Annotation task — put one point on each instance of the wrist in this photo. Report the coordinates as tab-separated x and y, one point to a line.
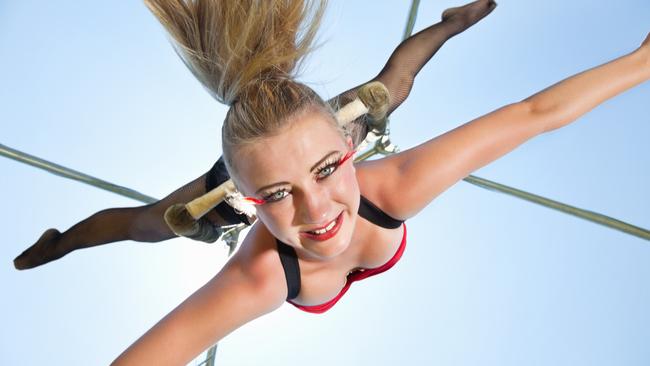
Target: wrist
643	55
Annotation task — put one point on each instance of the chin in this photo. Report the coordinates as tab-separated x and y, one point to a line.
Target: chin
332	250
334	246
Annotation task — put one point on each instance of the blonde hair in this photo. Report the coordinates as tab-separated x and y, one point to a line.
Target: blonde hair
246	53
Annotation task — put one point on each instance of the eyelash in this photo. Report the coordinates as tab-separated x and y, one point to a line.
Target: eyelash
326	165
332	163
269	197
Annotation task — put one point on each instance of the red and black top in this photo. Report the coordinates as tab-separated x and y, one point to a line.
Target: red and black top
289	259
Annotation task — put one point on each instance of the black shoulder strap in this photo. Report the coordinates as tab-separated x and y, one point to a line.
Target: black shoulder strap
289	260
374	214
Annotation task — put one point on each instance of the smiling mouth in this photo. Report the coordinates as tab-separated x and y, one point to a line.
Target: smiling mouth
326	232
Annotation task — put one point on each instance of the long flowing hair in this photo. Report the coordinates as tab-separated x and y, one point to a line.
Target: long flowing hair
246	54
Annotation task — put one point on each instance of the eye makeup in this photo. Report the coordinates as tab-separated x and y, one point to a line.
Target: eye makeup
328	167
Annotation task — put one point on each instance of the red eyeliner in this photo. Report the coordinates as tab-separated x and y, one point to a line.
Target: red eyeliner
346	157
255	201
259	201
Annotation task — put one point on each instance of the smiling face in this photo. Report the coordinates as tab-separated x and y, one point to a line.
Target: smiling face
312	198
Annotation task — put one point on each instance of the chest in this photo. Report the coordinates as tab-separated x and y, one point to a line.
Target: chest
372	249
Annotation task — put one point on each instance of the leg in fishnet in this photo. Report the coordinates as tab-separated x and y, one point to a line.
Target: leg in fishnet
398	75
144	223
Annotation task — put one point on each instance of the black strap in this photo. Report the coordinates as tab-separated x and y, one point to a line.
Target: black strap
289	261
374	214
289	258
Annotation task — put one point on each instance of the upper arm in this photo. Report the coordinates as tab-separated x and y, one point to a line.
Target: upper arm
235	296
414	177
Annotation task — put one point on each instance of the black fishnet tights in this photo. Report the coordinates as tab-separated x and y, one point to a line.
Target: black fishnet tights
406	61
146	223
143	223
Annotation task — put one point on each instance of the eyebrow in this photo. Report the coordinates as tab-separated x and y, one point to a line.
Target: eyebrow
310	170
322	160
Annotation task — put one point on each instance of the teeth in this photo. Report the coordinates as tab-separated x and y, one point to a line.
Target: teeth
326	229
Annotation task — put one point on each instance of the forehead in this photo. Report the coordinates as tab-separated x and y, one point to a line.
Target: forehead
289	154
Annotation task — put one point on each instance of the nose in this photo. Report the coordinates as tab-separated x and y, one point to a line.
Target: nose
314	207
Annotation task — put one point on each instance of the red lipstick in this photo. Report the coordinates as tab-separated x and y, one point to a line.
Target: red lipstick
327	235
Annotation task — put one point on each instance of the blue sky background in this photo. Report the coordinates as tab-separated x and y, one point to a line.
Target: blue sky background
486	279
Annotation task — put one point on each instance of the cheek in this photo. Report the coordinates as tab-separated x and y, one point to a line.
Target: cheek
347	184
351	176
277	217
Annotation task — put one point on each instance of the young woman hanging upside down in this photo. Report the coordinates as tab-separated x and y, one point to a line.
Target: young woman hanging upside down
146	224
324	222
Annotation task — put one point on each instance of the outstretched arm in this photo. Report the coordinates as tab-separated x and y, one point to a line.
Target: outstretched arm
429	169
412	54
250	285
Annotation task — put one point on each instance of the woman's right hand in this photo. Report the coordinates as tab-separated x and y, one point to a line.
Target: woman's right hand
646	42
645	47
44	250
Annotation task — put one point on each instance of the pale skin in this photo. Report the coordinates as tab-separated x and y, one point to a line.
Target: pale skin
252	283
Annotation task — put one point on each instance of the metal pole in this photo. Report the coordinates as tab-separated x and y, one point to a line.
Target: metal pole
562	207
413	13
73	174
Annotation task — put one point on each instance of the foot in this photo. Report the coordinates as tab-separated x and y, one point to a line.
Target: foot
43	251
467	15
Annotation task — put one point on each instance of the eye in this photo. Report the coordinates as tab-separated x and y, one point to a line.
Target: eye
326	171
276	196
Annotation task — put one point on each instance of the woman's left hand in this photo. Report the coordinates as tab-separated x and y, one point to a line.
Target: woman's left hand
644	49
645	45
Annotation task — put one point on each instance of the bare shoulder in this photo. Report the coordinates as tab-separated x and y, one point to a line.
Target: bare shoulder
377	181
403	184
250	285
258	261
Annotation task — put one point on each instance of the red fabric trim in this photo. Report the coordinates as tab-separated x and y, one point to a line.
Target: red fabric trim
356	276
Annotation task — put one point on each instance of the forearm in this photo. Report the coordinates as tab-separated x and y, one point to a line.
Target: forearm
567	100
